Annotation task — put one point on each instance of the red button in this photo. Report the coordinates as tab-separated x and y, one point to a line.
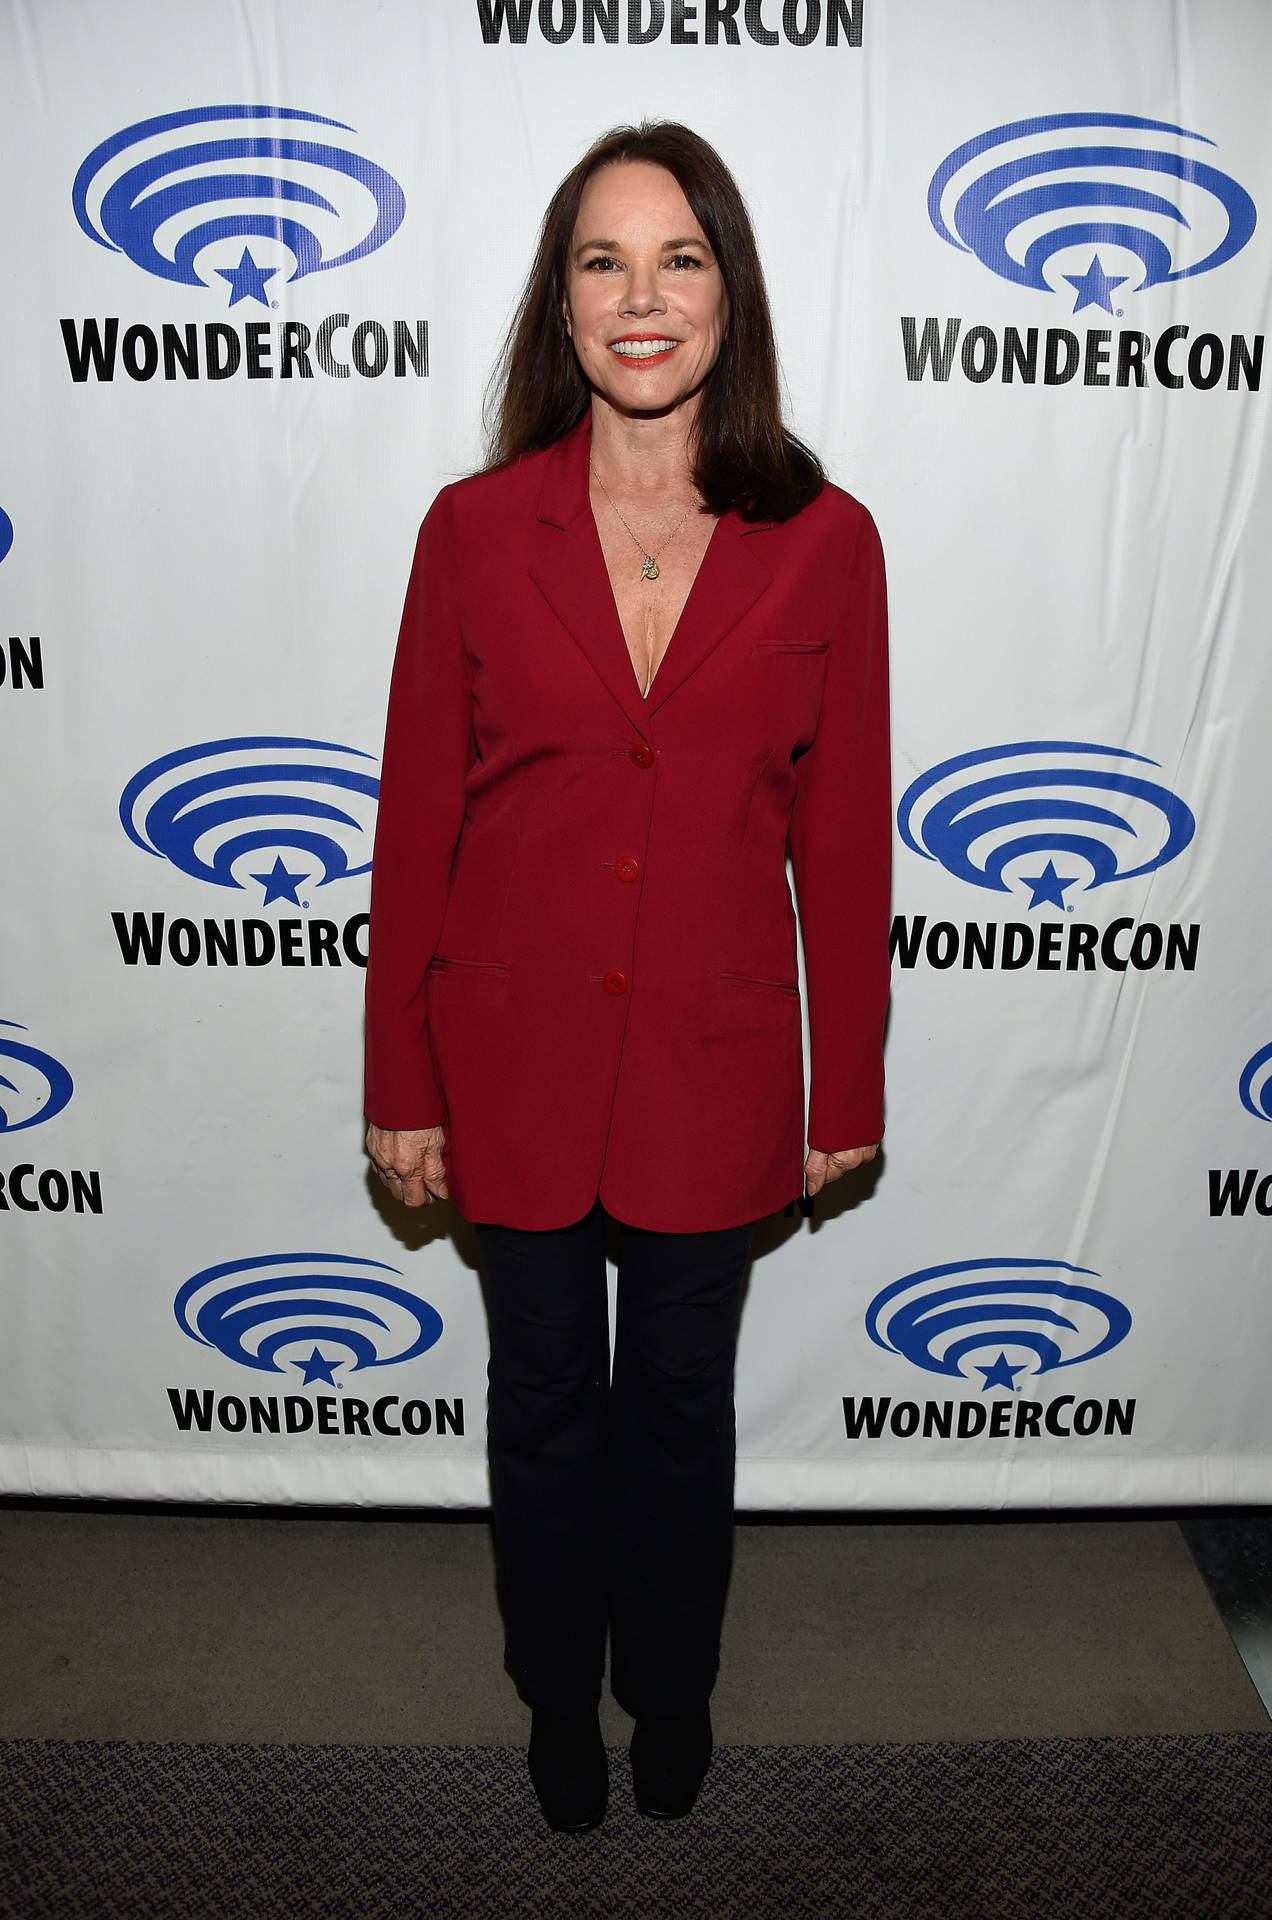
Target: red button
641	756
614	982
626	868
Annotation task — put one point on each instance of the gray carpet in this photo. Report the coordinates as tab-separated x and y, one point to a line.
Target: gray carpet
1152	1827
367	1629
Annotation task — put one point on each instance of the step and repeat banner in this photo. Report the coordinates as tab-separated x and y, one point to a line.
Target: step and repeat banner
259	258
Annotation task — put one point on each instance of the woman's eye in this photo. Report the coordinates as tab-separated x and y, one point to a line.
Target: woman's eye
684	260
600	262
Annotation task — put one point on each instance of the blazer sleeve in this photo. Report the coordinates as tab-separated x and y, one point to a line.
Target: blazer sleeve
841	850
421	813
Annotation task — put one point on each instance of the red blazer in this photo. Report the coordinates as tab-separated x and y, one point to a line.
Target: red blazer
582	943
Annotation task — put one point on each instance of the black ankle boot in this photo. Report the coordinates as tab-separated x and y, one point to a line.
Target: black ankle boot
670	1757
568	1767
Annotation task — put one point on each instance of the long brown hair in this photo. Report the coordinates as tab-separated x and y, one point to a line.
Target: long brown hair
743	457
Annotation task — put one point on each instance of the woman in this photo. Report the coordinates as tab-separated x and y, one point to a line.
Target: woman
639	651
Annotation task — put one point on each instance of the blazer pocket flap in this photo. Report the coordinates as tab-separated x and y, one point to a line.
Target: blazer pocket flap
452	963
792	646
763	986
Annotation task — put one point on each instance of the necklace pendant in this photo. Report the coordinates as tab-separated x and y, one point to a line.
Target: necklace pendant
649	568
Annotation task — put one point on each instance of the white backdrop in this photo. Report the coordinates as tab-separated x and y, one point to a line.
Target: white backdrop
1051	1291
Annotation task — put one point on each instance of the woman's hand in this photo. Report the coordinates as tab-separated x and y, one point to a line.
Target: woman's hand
822	1167
410	1164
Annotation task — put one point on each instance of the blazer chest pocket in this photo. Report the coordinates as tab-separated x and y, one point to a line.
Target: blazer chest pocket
792	646
789	676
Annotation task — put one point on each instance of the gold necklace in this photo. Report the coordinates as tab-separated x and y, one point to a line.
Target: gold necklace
648	561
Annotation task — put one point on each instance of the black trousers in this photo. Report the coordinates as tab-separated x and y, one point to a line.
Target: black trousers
613	1498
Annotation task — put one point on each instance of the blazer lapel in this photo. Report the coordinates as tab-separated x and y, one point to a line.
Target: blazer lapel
570	572
736	568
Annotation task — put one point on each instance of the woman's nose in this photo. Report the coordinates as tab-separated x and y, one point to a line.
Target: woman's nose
643	294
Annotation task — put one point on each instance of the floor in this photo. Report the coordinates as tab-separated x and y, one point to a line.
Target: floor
1233	1552
152	1623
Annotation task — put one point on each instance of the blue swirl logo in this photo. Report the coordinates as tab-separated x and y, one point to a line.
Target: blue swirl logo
33	1085
1256	1084
6	533
988	816
219	810
264	1313
1033	196
1029	1314
270	193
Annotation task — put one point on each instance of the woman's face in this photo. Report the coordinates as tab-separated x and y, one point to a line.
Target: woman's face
645	303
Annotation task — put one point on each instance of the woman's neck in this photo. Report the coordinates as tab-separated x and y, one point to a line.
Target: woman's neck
643	454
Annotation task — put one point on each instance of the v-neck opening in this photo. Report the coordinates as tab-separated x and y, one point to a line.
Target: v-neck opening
645	696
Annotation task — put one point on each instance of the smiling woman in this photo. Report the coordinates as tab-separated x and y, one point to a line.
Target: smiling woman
744	458
646	313
642	653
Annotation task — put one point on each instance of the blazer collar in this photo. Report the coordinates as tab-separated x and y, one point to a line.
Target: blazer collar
569	570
